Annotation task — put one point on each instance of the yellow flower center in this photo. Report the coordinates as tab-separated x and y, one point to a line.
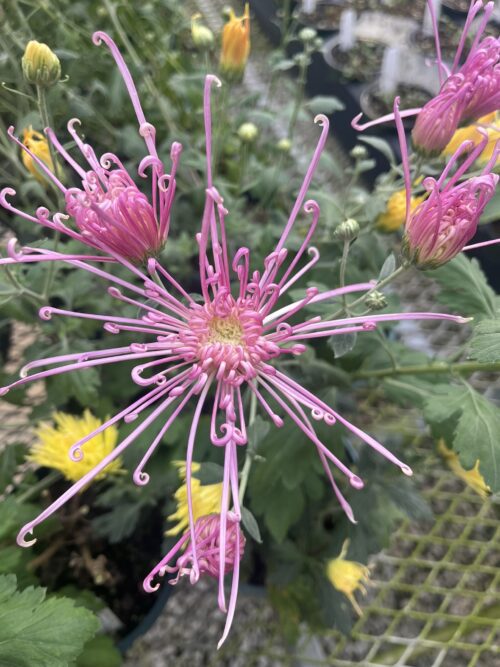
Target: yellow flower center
226	330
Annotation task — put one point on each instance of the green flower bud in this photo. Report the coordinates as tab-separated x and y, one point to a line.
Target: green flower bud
202	37
359	152
347	230
376	301
307	35
248	132
40	65
284	145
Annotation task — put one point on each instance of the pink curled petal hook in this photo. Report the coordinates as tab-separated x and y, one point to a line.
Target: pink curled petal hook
21	537
140	477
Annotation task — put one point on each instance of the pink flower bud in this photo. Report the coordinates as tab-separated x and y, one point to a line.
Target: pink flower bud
443	224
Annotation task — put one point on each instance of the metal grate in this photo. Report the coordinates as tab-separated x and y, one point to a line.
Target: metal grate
436	596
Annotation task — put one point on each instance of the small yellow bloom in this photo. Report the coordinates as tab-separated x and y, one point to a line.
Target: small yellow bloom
235	44
206	499
37	144
395	213
202	36
40	64
471	133
472	477
347	576
54	441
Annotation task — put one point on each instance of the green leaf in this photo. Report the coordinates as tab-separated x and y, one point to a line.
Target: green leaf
256	432
100	652
35	632
324	104
477	437
209	473
380	145
342	344
464	288
469	423
250	524
286	510
485	343
388	267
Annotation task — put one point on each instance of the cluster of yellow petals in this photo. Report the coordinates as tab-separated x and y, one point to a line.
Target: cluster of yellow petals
235	44
206	499
472	477
490	124
54	441
38	145
395	213
348	576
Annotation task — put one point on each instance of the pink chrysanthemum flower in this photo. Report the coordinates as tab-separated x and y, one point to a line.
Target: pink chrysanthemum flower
441	226
110	213
467	92
205	556
213	354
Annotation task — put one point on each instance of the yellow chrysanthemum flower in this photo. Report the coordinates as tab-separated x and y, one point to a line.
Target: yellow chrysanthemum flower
37	144
348	576
206	499
471	133
472	477
54	441
235	44
395	213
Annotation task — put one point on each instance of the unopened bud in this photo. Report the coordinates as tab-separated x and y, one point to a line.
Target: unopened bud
359	152
307	35
248	132
376	301
202	37
40	64
284	145
347	230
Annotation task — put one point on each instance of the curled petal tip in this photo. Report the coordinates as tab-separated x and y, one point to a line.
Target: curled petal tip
355	121
212	78
10	130
464	320
4	390
311	206
322	120
21	538
356	482
100	36
75	453
72	122
140	478
407	470
148	587
45	313
176	149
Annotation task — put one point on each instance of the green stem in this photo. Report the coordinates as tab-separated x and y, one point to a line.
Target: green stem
466	367
249	458
343	266
40	486
44	115
299	97
381	284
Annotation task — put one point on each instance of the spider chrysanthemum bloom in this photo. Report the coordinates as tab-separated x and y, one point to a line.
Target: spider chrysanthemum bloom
39	146
54	440
393	217
235	47
221	354
489	124
206	499
348	576
467	91
107	210
441	226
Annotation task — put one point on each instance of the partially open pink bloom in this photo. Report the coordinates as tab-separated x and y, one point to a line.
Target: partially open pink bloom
207	556
441	226
467	92
213	354
110	212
